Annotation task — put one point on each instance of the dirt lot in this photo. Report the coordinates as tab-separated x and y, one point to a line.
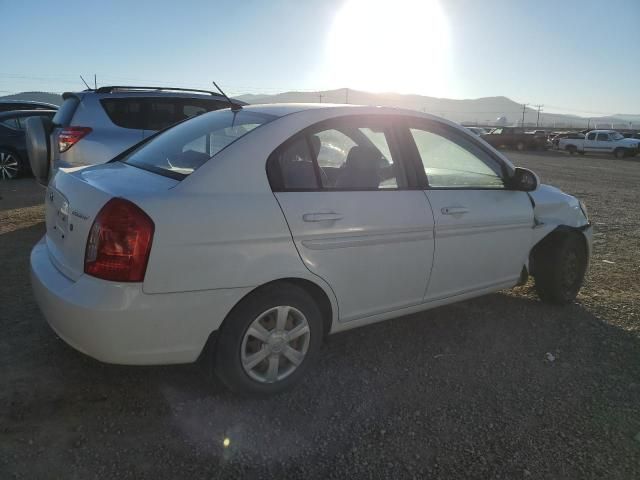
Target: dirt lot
463	391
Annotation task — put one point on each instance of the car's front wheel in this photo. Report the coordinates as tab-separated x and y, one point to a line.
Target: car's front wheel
620	153
269	340
560	264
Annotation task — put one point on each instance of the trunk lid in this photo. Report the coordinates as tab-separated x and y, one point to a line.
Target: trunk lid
75	196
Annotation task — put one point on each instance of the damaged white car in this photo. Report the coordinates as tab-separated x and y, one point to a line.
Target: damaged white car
244	236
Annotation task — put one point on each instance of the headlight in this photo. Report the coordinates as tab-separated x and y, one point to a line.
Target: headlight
583	207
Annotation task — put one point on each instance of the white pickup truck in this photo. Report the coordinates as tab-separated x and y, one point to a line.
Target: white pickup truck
608	141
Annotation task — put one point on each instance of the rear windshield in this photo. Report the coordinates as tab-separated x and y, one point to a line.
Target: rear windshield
180	150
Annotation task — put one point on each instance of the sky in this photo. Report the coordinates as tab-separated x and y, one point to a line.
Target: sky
572	56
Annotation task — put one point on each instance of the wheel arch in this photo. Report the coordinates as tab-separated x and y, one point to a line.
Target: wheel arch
560	231
321	294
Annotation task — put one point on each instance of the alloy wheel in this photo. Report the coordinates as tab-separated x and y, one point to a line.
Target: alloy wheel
9	166
275	344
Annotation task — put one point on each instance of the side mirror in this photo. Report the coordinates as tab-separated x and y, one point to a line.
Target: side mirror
524	180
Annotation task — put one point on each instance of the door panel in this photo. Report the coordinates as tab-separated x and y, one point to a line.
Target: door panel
483	231
375	248
482	238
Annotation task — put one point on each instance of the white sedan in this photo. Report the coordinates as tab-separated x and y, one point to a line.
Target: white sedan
256	231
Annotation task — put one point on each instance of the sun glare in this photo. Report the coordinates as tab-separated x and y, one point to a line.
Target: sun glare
389	45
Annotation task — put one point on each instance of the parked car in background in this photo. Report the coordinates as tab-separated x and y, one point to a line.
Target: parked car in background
9	105
14	161
570	135
93	126
514	137
256	231
602	141
477	130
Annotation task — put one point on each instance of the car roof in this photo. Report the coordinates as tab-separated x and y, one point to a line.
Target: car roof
146	92
282	109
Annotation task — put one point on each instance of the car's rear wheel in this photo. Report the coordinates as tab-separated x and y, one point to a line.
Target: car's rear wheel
560	264
269	340
571	149
11	165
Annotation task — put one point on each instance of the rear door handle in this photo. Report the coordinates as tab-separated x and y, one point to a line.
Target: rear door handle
321	217
454	210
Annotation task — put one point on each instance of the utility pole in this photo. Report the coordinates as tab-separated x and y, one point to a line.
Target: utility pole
524	108
346	95
320	95
538	119
588	124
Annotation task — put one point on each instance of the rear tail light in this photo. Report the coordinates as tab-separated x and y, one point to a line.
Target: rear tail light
119	242
69	136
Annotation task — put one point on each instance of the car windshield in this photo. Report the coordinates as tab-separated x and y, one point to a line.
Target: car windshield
616	136
180	150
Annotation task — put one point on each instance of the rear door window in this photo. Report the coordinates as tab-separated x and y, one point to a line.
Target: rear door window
155	113
164	112
125	112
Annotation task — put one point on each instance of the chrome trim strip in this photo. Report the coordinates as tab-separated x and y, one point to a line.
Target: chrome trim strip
328	243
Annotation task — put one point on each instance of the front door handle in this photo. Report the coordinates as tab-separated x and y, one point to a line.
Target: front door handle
454	210
321	217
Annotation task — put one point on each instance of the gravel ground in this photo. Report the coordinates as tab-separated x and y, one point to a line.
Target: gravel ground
464	391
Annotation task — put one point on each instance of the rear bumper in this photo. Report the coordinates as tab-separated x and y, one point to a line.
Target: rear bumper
118	323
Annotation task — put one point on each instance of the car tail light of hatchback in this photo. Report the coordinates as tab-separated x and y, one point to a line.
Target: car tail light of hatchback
69	136
119	242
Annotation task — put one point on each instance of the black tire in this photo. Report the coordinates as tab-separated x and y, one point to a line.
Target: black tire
571	149
11	165
228	364
620	153
560	264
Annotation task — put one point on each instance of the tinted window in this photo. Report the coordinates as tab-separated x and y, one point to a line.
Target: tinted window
155	113
602	137
179	151
453	162
162	113
11	122
125	112
591	136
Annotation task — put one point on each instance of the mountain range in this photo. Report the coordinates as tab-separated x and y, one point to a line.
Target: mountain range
480	111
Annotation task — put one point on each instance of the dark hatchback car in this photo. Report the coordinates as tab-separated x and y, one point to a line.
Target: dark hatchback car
13	149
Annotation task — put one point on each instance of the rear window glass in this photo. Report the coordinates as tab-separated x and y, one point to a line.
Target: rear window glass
155	113
182	149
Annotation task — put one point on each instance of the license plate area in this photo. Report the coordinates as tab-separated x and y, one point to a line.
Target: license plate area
59	214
